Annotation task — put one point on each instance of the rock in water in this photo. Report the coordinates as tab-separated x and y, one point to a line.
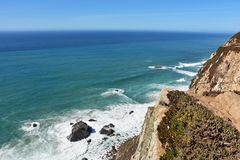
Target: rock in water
158	66
89	141
92	120
34	125
80	130
111	125
131	112
107	129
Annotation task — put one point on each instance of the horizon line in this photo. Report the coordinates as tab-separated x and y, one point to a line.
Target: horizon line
119	30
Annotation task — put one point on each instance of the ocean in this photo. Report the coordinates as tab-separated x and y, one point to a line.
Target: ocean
55	78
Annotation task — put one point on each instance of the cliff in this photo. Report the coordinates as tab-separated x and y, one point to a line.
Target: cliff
221	72
202	123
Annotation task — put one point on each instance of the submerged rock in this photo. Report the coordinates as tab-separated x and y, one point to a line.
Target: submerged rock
131	112
107	129
92	120
80	130
158	66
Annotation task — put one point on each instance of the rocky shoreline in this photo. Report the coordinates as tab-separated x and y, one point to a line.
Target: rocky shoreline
202	123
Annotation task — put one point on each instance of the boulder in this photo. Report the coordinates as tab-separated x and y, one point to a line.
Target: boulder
80	130
107	129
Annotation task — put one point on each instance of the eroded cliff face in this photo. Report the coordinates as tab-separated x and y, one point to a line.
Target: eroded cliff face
148	145
202	123
221	72
180	127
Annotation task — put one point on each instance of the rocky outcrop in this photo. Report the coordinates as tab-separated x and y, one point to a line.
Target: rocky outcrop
221	72
202	123
107	129
147	145
80	130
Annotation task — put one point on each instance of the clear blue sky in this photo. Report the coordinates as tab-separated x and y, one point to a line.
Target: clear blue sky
171	15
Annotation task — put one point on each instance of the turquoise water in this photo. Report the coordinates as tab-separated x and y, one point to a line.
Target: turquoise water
46	75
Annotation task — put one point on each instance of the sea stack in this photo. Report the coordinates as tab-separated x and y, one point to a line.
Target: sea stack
202	123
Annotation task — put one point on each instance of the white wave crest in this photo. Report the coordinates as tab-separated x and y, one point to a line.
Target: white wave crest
174	86
188	73
196	64
112	92
30	127
181	80
158	67
119	92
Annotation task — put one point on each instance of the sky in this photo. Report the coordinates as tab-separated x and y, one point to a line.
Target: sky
162	15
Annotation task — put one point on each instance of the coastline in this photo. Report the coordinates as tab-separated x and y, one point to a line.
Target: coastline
200	123
121	97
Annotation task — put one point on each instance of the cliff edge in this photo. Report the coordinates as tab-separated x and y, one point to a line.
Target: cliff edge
221	72
202	123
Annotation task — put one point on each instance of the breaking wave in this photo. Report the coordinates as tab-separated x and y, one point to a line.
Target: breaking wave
158	67
49	141
174	86
188	73
112	92
180	80
196	64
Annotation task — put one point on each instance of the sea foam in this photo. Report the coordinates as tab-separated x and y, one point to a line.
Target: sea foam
174	86
156	67
112	92
50	142
184	72
180	80
195	64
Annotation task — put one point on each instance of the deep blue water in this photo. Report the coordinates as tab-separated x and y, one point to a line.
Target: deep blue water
44	74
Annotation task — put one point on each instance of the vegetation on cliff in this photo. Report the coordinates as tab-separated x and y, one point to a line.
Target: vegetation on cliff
191	131
202	123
